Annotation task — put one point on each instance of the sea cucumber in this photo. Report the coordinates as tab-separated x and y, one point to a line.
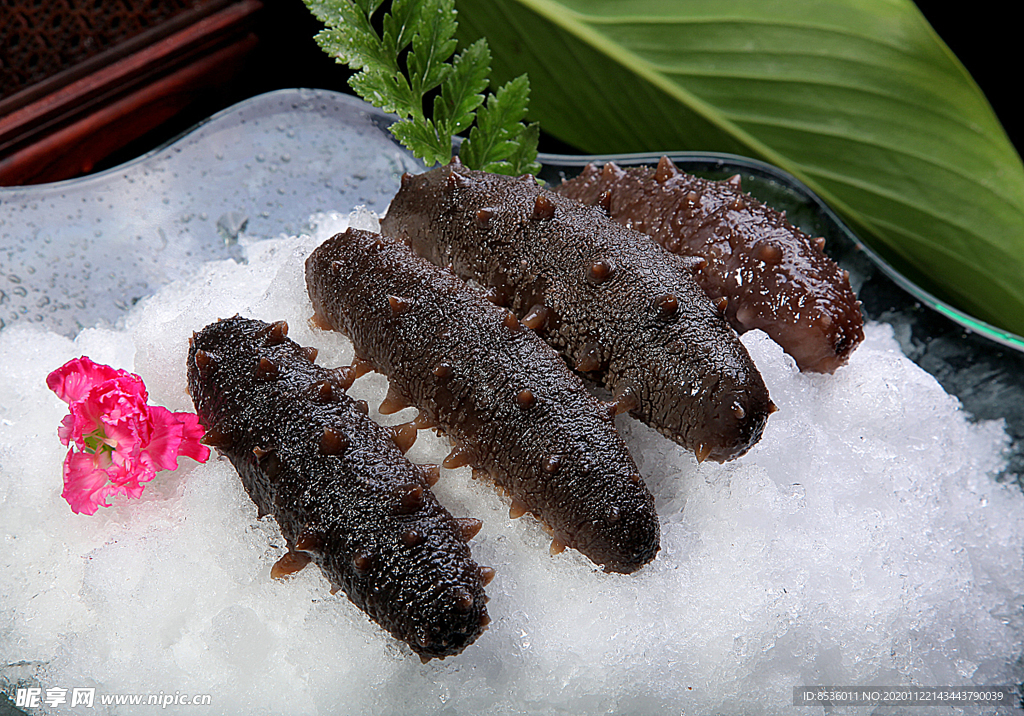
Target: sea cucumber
503	395
774	276
618	307
341	490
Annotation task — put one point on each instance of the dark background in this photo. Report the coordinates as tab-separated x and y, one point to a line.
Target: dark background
287	56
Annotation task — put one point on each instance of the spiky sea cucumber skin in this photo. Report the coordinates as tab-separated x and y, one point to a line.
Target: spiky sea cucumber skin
337	485
502	394
616	305
775	277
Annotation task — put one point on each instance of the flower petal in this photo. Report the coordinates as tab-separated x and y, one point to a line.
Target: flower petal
86	485
75	378
165	438
191	434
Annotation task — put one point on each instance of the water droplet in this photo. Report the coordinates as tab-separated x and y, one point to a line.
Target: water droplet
286	158
261	157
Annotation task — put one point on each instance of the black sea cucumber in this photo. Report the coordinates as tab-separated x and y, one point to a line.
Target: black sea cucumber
774	276
617	306
502	394
342	492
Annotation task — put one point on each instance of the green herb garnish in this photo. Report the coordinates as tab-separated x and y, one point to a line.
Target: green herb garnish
411	60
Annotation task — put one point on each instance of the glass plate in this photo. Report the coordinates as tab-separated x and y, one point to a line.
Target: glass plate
82	252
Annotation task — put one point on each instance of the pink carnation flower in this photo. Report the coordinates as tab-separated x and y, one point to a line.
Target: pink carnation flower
117	441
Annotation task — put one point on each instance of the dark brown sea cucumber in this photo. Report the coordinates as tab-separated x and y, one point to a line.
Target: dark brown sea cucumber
501	393
617	306
774	276
342	492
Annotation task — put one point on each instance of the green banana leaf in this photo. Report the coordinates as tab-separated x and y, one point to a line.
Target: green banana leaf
859	99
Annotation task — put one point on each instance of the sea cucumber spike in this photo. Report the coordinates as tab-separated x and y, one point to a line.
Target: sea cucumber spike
470	526
404	435
820	243
590	359
769	253
309	541
323	391
442	371
260	453
412	537
722	303
423	421
734	181
266	369
362	561
692	197
611	170
517	509
361	366
825	321
463	600
192	339
614	514
277	333
558	546
311	353
605	200
393	402
480	474
666	170
528	178
431	474
410	499
702	452
483	217
346	375
455	161
625	402
318	321
216	439
458	181
458	457
485	619
289	564
512	323
551	464
406	178
486	574
536	317
667	305
600	271
525	398
399	305
738	411
738	204
543	208
205	363
332	442
772	407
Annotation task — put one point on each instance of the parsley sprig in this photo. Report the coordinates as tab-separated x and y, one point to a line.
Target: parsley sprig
411	58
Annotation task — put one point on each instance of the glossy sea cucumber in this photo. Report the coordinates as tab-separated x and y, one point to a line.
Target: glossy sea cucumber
774	276
495	388
341	490
617	306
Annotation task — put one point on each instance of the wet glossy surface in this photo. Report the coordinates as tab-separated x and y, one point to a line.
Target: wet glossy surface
82	252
